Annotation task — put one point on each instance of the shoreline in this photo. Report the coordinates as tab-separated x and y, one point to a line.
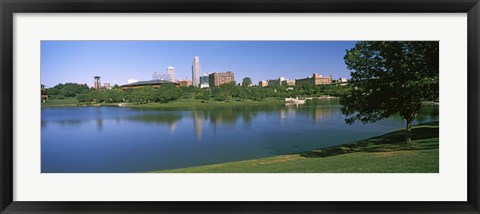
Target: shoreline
380	154
173	104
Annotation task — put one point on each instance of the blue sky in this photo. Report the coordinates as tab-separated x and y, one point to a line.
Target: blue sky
118	61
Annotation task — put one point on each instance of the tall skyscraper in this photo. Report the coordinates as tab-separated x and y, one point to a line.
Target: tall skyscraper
196	72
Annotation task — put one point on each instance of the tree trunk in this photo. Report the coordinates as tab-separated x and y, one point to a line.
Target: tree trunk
408	131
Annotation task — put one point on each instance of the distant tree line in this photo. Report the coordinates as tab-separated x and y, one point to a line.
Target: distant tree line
61	91
167	93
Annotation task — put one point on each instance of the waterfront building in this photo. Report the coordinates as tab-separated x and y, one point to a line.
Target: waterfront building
316	79
204	81
196	71
263	83
151	83
290	82
107	86
185	83
342	81
219	78
279	81
43	94
273	82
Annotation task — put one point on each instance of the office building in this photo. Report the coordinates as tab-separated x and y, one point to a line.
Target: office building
196	71
107	86
204	81
290	82
185	83
219	78
316	79
279	81
263	83
273	82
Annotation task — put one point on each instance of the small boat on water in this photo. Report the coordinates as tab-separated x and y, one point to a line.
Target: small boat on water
326	97
294	101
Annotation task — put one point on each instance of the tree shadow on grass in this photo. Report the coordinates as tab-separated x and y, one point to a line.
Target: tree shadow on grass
424	137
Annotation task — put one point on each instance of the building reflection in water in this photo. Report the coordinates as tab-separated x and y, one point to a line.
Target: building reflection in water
173	127
323	113
99	124
316	113
98	111
289	110
197	125
283	114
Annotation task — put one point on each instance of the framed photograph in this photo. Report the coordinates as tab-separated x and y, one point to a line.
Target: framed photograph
237	106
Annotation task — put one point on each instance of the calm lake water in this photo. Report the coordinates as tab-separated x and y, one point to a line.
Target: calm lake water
114	139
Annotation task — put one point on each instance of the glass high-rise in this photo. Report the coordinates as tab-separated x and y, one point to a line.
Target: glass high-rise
196	71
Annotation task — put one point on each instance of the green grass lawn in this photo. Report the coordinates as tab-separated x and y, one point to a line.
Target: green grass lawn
382	154
60	102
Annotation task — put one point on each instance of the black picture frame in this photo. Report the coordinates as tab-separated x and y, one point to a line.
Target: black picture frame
9	7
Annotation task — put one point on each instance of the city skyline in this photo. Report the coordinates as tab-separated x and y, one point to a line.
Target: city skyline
118	61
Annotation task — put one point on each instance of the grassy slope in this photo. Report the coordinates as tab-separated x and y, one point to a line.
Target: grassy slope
386	153
60	102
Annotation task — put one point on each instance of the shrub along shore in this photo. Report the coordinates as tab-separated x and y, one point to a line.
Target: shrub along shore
381	154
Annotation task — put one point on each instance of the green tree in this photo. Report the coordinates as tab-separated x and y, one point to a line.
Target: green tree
66	90
83	98
167	93
72	89
225	92
390	78
203	95
114	95
53	91
143	95
246	81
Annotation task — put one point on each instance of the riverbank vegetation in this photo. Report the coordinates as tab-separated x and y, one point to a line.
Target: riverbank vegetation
382	154
149	96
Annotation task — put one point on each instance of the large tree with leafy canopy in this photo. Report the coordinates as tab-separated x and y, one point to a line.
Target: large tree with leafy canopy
246	81
389	78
